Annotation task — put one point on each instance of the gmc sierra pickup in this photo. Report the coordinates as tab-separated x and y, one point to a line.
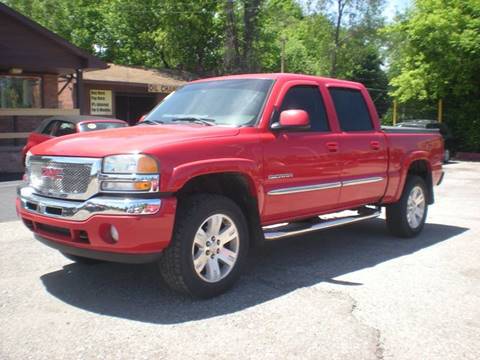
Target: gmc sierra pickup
222	165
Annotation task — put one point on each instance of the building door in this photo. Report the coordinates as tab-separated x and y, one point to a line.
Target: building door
130	107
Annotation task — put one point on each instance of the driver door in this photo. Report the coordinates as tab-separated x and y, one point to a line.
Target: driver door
302	169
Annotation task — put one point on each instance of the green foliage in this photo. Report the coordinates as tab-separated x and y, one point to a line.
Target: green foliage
203	37
435	54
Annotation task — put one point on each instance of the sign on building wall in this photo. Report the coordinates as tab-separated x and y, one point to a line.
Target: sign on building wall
101	102
158	88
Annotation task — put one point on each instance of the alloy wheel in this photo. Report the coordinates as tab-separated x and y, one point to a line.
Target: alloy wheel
215	248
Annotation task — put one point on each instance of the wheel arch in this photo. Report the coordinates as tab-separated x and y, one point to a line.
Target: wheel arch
237	186
421	167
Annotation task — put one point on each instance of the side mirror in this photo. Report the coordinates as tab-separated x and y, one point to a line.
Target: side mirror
293	119
142	118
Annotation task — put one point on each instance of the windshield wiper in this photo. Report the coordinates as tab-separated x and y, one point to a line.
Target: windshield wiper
150	122
196	119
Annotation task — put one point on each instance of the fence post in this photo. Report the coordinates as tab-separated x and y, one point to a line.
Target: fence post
440	110
394	112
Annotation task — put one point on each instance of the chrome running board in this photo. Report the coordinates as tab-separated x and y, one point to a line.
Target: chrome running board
279	231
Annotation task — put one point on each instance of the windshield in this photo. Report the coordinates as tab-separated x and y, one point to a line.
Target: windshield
92	126
224	102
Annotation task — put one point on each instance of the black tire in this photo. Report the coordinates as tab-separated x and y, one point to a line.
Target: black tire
176	263
81	260
396	214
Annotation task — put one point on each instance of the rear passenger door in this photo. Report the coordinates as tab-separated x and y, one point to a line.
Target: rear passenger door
363	149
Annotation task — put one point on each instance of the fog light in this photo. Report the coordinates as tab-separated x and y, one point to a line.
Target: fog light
114	233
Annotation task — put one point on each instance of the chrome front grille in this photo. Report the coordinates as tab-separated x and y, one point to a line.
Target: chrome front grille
72	178
64	177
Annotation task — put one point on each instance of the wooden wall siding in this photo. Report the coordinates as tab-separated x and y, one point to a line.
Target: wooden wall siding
23	121
20	47
50	91
66	99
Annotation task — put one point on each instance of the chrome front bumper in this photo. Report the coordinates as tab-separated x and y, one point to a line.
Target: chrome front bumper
82	210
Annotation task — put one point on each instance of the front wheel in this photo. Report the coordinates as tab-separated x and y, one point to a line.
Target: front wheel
208	248
407	216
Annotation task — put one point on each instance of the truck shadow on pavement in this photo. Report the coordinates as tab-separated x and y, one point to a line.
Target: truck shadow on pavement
135	291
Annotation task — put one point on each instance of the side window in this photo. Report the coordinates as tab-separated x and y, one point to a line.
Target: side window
352	111
49	128
65	128
307	98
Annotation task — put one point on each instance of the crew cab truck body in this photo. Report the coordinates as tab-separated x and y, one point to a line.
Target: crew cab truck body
222	165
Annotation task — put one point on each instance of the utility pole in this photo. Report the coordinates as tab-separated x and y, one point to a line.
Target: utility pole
440	110
394	112
283	40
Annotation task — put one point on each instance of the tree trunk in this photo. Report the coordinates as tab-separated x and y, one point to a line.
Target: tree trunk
341	6
250	14
231	60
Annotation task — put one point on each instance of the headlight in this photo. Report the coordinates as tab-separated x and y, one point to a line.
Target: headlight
130	164
25	177
27	158
130	173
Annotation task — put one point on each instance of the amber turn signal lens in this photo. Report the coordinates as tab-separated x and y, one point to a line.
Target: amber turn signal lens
142	185
147	165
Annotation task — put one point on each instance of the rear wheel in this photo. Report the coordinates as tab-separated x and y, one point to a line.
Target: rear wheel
406	217
208	248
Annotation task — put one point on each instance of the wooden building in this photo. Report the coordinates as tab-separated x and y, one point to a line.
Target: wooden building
31	60
119	91
42	75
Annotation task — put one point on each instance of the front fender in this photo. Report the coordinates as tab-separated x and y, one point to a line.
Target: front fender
183	173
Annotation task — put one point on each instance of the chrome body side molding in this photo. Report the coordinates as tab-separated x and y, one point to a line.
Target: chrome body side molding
362	181
325	186
297	189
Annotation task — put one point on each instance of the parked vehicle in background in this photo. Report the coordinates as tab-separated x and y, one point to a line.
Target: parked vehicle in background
65	125
225	164
433	124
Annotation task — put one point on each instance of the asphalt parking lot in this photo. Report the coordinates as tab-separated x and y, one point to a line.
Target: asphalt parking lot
346	293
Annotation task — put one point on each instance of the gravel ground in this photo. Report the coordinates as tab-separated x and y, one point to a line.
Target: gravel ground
347	293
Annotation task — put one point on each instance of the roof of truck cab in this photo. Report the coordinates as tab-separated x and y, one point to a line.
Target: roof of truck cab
285	77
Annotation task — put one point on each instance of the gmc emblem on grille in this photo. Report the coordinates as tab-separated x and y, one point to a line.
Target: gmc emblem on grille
52	173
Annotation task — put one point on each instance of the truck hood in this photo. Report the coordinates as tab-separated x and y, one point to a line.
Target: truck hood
146	139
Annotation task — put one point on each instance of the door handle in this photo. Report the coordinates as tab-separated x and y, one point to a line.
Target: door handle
332	146
375	145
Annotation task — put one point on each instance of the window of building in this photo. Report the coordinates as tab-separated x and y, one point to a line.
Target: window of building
309	99
352	111
20	92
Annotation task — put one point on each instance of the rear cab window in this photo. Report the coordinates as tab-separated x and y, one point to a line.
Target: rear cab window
351	108
309	99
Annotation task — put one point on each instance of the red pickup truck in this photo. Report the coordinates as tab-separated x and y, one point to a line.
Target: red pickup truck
222	165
